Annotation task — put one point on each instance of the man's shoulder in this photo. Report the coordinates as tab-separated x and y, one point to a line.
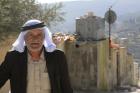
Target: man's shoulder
11	56
56	52
13	53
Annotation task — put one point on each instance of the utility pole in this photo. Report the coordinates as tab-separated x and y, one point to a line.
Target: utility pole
110	17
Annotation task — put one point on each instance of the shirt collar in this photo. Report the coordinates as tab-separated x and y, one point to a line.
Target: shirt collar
41	56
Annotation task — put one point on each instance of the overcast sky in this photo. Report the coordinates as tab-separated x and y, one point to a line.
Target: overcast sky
109	1
120	6
106	2
54	1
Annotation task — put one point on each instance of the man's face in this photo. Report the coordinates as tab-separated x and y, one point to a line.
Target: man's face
34	39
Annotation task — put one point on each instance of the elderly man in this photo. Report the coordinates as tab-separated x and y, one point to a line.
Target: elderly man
34	65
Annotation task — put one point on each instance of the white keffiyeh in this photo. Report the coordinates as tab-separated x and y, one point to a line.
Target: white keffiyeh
19	44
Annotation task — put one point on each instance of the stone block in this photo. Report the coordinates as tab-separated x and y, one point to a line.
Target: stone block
90	28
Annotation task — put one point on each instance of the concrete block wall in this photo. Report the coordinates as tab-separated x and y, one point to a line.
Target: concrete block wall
130	69
136	74
125	67
88	65
102	65
90	28
82	64
112	69
122	55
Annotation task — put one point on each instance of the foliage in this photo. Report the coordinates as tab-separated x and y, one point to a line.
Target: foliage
13	13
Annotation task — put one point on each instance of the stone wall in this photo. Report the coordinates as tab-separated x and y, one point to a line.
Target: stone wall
136	74
122	55
125	67
90	27
82	63
112	67
88	65
102	65
130	69
91	69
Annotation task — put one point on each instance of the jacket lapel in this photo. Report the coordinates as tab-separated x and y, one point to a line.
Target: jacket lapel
23	72
50	66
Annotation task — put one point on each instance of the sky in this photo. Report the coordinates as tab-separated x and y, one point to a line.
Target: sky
55	1
120	6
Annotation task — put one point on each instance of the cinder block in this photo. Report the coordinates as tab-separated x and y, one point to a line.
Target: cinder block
90	28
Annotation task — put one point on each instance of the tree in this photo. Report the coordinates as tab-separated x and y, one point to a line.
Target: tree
13	13
51	13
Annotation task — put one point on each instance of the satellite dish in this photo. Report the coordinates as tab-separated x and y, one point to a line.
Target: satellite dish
110	16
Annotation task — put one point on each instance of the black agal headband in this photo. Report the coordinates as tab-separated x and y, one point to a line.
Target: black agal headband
39	25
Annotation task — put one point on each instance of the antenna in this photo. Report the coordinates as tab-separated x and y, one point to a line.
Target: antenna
113	4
